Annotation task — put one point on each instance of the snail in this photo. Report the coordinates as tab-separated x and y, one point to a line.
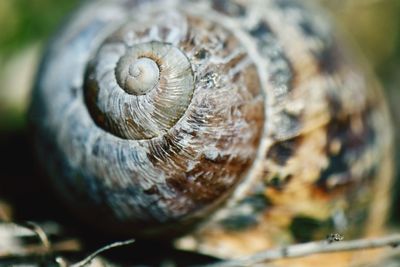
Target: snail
226	126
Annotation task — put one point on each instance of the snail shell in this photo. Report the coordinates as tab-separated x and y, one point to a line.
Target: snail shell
248	117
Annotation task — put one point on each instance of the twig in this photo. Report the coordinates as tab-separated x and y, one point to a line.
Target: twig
13	240
40	233
302	250
65	246
88	259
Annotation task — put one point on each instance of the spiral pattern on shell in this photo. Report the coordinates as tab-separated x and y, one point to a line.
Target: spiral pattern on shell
165	119
252	114
140	91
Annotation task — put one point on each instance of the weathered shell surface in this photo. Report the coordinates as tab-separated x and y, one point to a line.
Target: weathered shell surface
278	116
147	160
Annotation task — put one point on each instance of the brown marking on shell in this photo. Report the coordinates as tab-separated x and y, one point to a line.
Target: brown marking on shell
327	59
197	183
281	152
197	186
355	136
229	7
303	117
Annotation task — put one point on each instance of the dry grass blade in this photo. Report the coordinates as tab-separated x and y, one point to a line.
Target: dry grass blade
28	239
92	256
302	250
40	233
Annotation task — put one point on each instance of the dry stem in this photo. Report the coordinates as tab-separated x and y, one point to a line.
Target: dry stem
302	250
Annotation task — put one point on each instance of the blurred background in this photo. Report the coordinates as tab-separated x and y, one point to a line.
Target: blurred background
27	24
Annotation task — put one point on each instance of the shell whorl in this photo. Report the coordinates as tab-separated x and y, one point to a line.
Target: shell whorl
156	111
140	91
168	148
138	75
